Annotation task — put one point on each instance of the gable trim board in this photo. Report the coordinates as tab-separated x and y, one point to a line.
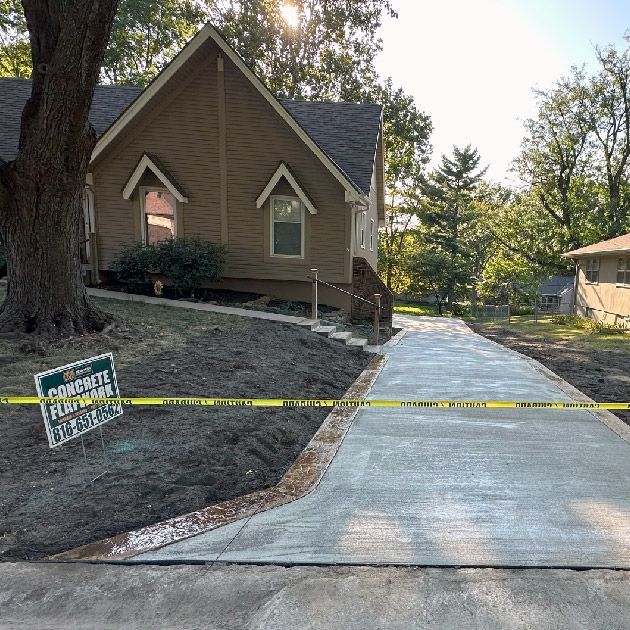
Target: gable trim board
145	163
284	171
352	192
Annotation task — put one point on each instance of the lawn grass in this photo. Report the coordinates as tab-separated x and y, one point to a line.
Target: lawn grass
427	310
545	329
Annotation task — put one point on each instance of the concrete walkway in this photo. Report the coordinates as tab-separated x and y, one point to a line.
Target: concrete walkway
199	306
467	487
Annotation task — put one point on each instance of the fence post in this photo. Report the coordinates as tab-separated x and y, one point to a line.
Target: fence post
314	295
377	316
509	314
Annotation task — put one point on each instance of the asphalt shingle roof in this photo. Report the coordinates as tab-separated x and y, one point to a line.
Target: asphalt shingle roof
109	102
613	245
555	285
346	132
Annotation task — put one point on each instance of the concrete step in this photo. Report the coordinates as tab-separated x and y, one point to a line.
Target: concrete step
372	349
325	331
357	341
309	323
341	336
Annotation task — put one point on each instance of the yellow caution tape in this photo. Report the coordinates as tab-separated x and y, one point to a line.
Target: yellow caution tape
312	402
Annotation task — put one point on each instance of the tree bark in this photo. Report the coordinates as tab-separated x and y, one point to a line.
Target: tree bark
41	190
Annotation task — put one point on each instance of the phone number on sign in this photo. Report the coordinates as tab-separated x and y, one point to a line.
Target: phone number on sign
85	422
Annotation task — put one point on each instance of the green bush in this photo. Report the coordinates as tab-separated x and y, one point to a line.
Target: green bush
591	326
186	262
189	262
133	265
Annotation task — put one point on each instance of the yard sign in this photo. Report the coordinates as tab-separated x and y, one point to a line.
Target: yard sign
90	378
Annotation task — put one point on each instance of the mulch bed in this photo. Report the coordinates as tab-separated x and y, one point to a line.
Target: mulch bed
163	462
603	375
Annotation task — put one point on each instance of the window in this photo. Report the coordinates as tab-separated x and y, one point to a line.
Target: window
372	234
158	215
592	270
550	303
362	230
287	227
623	271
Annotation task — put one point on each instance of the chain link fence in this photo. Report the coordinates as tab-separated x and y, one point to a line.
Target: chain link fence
490	312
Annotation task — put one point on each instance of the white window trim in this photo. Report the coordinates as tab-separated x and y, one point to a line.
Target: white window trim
147	163
624	285
362	228
372	235
141	191
586	270
272	198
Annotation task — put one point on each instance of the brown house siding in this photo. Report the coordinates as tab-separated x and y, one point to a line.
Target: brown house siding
257	141
180	126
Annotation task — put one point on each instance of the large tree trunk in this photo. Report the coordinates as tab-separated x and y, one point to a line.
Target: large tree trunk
40	191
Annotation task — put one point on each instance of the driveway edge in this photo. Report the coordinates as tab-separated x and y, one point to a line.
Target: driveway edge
615	424
302	477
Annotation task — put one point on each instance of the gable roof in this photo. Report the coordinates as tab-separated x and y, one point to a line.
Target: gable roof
151	162
343	136
556	285
109	102
617	245
346	132
285	171
354	192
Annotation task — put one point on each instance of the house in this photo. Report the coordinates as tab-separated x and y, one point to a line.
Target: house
207	151
603	280
556	294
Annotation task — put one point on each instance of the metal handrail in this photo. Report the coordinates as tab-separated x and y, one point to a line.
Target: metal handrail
342	290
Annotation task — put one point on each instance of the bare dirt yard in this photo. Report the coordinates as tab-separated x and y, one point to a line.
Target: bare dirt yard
597	364
160	462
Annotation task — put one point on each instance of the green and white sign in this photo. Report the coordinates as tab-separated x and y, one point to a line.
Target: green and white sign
90	378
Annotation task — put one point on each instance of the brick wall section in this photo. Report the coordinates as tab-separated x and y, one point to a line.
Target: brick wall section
365	283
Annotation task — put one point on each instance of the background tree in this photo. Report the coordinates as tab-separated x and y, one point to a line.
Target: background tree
146	35
554	155
608	98
324	51
448	215
40	191
15	52
406	132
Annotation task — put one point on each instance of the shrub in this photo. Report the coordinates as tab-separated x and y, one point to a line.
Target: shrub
189	262
591	326
133	265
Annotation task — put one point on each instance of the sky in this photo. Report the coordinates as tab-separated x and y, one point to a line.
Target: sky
471	64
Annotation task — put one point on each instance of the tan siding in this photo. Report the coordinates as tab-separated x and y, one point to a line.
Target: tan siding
257	141
180	127
608	301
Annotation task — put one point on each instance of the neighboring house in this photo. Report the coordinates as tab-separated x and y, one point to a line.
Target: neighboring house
603	280
207	151
556	294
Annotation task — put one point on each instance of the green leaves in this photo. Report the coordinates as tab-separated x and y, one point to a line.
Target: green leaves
146	35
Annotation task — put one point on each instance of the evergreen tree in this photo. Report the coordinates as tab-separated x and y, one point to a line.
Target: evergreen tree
448	215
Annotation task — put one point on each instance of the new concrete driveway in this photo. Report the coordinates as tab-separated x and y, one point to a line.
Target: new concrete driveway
451	487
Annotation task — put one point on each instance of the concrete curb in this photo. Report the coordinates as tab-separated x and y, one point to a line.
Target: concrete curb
615	424
302	478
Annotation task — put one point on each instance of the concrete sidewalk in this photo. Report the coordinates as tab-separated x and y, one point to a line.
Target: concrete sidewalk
469	487
80	596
